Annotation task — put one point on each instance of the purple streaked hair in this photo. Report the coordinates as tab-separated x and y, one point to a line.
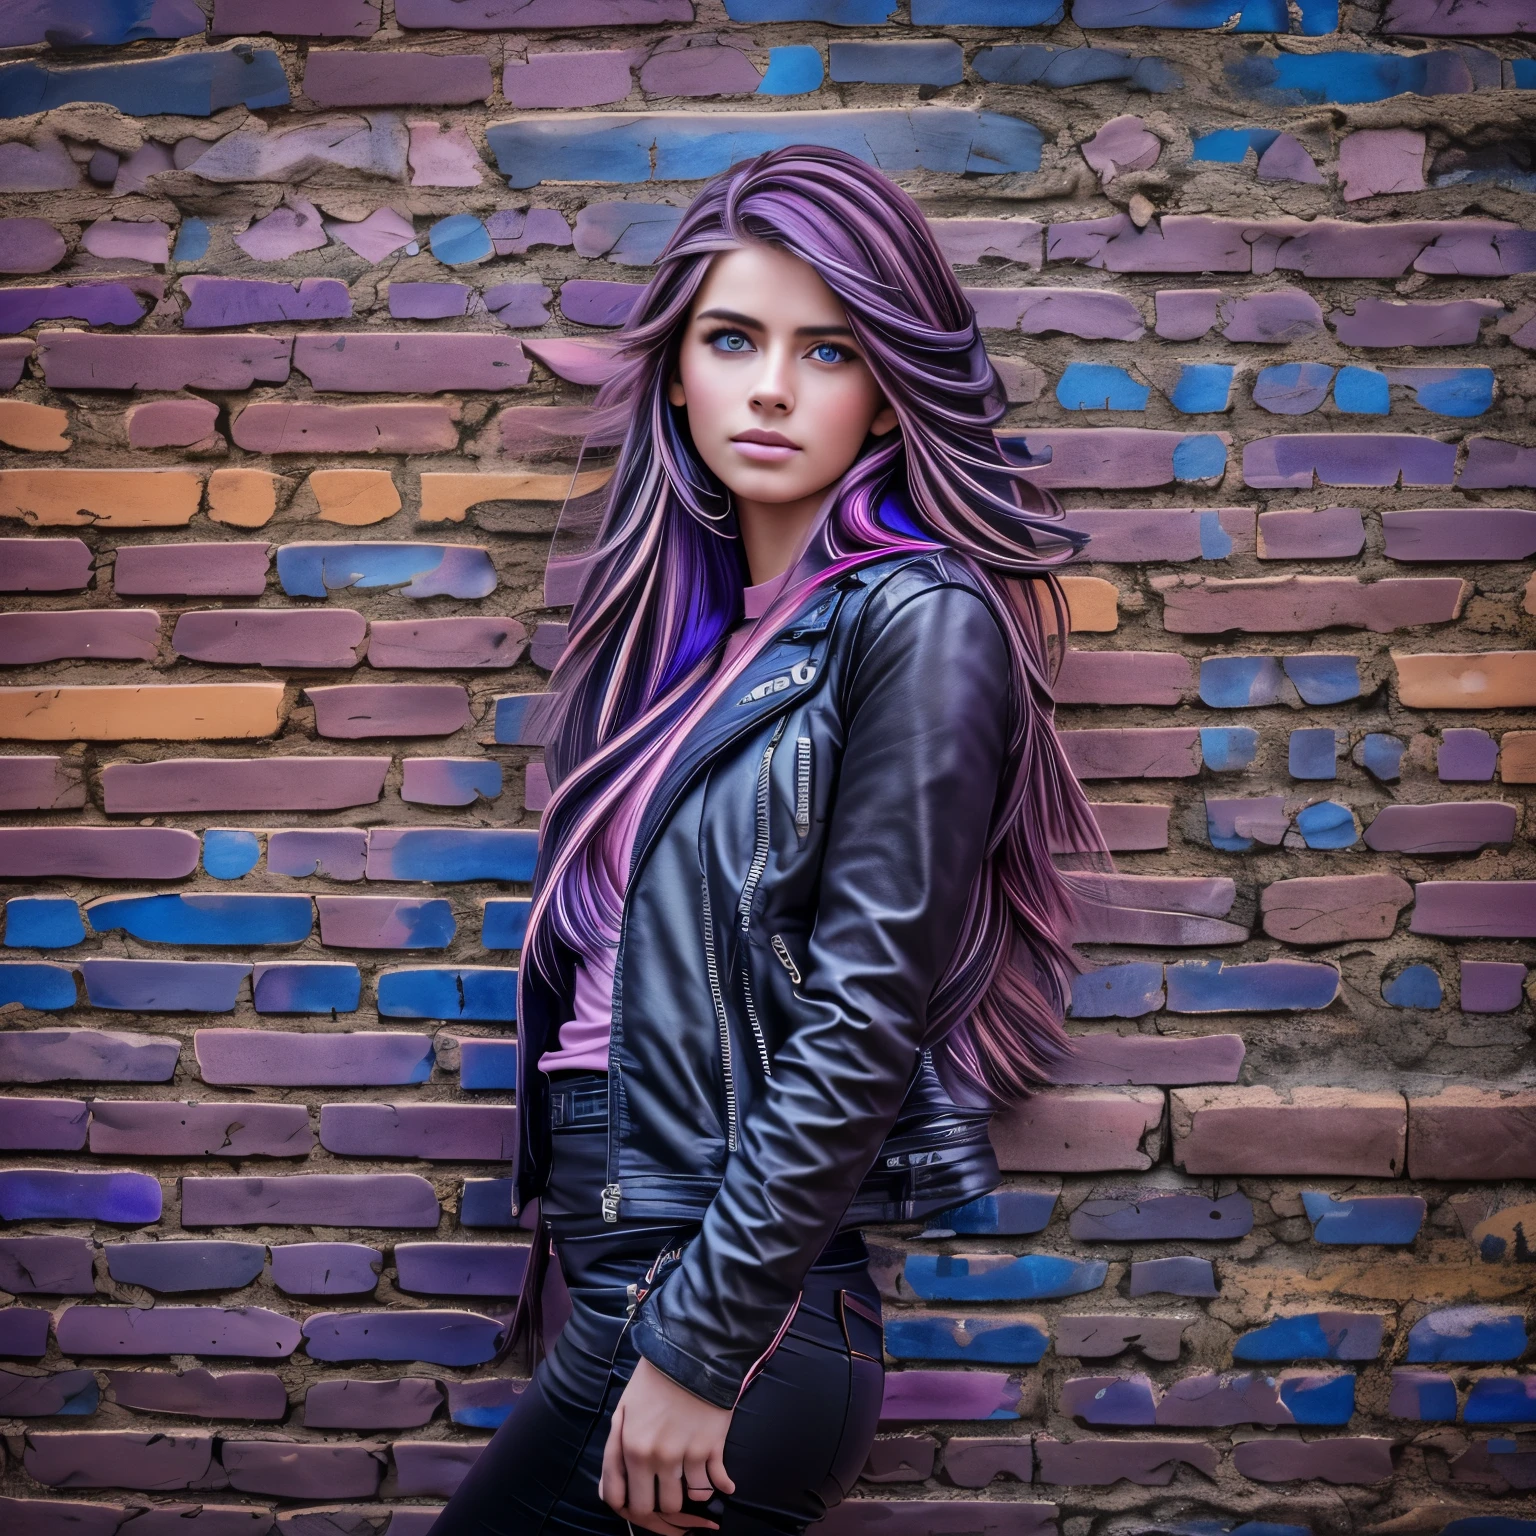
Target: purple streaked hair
663	586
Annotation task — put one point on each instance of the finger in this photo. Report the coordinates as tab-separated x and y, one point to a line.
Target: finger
611	1486
696	1476
670	1525
717	1473
669	1481
642	1480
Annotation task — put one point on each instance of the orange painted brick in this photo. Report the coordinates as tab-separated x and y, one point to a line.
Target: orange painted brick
36	428
446	498
355	497
1094	604
111	498
1473	680
1303	1131
184	712
244	498
1080	1130
1517	757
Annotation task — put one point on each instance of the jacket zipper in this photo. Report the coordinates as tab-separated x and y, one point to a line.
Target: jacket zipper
802	785
754	874
713	966
781	949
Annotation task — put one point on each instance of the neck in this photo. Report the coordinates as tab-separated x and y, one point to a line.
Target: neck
774	532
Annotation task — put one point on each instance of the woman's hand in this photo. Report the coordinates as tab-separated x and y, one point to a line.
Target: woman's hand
662	1440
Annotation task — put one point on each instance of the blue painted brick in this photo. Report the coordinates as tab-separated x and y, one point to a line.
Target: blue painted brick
1313	754
1001	1277
1328	1400
1327	824
1202	388
1416	986
1264	986
1393	1219
1241	682
1348	78
227	855
418	570
43	922
487	1064
1313	1336
1381	756
1180	1276
306	986
998	1341
1228	749
1467	1335
1118	991
512	726
23	1332
37	985
938	62
206	919
793	70
505	923
45	1194
469	993
444	855
1007	1213
487	1203
183	85
186	1266
1062	68
1100	387
1324	679
483	1402
1502	1400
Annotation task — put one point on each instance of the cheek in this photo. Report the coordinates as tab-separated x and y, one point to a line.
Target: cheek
845	408
707	390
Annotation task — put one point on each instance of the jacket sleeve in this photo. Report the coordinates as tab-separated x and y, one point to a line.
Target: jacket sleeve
925	724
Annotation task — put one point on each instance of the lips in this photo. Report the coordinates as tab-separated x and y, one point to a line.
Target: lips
765	447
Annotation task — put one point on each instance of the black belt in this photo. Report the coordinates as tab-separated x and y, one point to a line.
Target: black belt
581	1100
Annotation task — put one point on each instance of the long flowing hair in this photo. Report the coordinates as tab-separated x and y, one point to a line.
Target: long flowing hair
662	589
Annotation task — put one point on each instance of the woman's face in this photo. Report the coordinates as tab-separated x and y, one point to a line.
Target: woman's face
778	396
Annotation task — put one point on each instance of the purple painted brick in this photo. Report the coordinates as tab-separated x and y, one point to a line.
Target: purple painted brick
1348	459
520	304
217	302
208	1331
243	784
310	1199
501	15
44	565
163	1128
428	301
405	1404
1162	1218
355	711
1457	826
84	1056
1460	533
589	78
200	1394
164	363
57	1194
326	1269
23	1332
1298	533
204	1519
1466	757
46	1266
338	853
434	1337
1099	1463
1286	315
1109	1400
185	1265
436	1132
29	245
271	637
50	1517
1116	753
40	783
1391	323
484	1402
1337	1459
276	1058
43	1125
37	1397
124	634
1475	909
191	570
590	301
298	1471
917	1395
296	18
339	77
98	853
1123	677
121	1458
432	1468
305	426
461	1269
164	986
412	361
446	644
1492	986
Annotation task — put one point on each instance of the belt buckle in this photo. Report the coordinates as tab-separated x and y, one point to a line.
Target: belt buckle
588	1103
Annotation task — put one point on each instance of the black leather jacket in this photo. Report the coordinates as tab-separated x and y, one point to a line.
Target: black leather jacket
796	890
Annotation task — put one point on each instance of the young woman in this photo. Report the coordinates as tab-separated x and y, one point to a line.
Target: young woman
796	929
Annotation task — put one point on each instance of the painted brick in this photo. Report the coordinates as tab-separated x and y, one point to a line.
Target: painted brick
338	853
404	1404
439	1338
418	570
237	784
114	498
85	1055
385	922
164	986
326	1269
1121	753
446	644
1000	1276
254	1395
255	1332
1497	909
167	1129
1303	1131
337	77
461	1269
1194	605
1466	1132
54	1266
409	361
85	360
1338	1460
270	1058
191	570
266	637
420	853
309	427
436	1132
1080	1130
1151	1059
361	711
1333	908
1163	1218
311	1199
303	1471
62	1393
1098	1463
178	712
43	1125
185	1266
121	1459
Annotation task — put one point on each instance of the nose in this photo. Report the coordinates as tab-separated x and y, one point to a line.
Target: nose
772	388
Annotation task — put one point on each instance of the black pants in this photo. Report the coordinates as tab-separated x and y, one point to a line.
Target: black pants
801	1431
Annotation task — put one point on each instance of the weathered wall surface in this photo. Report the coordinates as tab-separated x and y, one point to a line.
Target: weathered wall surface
300	301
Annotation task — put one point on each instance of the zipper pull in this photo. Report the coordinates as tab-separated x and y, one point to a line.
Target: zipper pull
781	949
610	1202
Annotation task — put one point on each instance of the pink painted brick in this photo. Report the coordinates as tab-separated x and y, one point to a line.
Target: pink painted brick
1331	909
40	784
1162	1060
340	77
410	362
1467	1132
1195	605
1310	1131
590	78
1475	909
472	641
90	360
172	423
309	427
1080	1130
171	1129
1126	753
359	711
1123	677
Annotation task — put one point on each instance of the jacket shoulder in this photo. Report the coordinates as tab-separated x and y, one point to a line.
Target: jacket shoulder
891	585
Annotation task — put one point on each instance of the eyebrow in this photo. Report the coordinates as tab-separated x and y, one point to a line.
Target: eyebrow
748	323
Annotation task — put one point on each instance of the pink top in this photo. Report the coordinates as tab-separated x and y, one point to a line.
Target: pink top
584	1038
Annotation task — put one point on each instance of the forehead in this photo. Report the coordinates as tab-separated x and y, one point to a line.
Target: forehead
769	285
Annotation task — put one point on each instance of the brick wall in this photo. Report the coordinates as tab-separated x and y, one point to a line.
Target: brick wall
299	324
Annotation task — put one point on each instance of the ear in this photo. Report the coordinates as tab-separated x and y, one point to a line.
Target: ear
675	392
885	421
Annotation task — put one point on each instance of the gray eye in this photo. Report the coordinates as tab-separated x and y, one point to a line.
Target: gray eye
731	341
